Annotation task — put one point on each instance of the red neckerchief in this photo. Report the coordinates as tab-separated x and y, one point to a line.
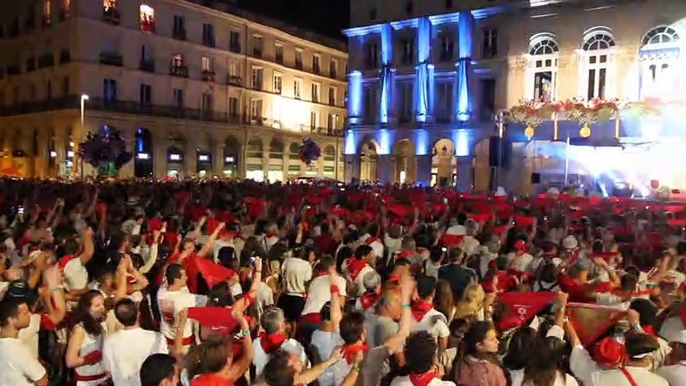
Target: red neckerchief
351	350
64	260
404	254
649	330
422	379
211	379
370	240
271	342
420	308
368	299
355	266
394	277
269	234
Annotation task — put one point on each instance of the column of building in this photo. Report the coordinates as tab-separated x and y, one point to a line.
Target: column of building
465	90
128	169
218	158
160	147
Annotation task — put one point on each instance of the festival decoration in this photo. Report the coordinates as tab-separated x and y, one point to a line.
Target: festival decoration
532	114
309	151
105	151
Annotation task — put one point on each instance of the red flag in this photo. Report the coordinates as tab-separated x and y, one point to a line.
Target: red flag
212	272
452	240
521	307
154	224
591	320
216	319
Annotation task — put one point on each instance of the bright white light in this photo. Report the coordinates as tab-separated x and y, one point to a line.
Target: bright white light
203	158
84	97
229	160
173	173
403	175
175	157
256	175
143	156
71	143
53	154
70	154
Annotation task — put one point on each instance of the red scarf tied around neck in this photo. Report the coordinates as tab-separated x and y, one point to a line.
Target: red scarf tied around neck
351	350
422	379
355	266
420	308
271	342
368	299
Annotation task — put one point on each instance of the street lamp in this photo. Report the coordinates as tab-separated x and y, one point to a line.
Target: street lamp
84	98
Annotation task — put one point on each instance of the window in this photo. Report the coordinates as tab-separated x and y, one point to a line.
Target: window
370	103
297	87
278	83
256	109
206	64
333	68
332	96
278	53
408	51
206	101
659	63
32	92
65	85
31	64
543	53
177	94
444	103
177	60
147	18
332	121
597	44
487	105
315	92
406	101
109	90
257	46
145	95
316	63
314	119
46	13
64	9
372	55
447	48
233	106
489	44
298	58
257	78
179	29
48	89
208	35
234	41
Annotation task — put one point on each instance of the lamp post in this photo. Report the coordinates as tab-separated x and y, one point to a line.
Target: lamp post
84	98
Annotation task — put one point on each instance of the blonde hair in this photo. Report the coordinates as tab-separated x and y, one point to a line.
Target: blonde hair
471	303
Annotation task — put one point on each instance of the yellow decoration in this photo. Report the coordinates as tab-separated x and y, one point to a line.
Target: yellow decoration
529	131
585	131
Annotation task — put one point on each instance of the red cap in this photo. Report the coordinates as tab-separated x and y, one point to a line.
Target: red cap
155	224
608	352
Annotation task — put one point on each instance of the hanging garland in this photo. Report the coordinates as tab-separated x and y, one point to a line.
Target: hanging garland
531	114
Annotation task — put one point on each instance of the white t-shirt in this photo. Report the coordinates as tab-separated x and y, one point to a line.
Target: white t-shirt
435	323
171	303
320	292
296	273
75	275
377	245
261	358
125	350
359	280
29	335
675	375
18	367
457	230
324	343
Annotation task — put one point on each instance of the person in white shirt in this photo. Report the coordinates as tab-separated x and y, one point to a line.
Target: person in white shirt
84	351
469	242
420	354
274	339
74	263
318	291
676	374
370	238
458	229
427	317
125	350
359	265
18	367
296	271
173	300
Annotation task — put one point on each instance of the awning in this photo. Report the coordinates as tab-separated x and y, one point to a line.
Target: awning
648	53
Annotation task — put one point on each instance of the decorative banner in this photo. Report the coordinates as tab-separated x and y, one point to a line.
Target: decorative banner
521	307
591	320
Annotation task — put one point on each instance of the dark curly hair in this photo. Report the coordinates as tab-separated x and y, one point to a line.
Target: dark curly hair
82	313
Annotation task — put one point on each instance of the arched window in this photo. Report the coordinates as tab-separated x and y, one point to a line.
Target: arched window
659	63
597	66
542	74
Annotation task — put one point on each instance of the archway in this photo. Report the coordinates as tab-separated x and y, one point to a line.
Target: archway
232	156
294	162
275	171
255	162
405	162
143	161
443	163
368	162
175	156
481	166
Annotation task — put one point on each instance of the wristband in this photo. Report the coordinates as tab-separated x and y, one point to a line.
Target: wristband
245	333
561	309
335	289
58	288
356	369
637	327
405	305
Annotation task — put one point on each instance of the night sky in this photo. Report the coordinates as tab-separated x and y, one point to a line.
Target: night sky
327	17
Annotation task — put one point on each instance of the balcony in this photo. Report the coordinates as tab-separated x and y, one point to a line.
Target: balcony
47	60
316	70
64	14
65	57
333	74
111	15
279	59
179	70
147	66
208	42
257	52
332	101
179	34
299	65
112	59
234	80
208	76
235	48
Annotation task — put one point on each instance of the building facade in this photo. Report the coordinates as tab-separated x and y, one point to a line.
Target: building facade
196	88
429	77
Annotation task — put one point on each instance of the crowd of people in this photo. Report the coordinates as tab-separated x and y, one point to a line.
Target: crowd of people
142	283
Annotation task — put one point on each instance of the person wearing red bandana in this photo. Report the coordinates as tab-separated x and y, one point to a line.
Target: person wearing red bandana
520	261
173	300
427	317
273	339
371	238
286	369
420	354
575	282
372	287
354	335
359	265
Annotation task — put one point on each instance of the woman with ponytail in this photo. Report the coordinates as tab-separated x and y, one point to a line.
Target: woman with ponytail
476	363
